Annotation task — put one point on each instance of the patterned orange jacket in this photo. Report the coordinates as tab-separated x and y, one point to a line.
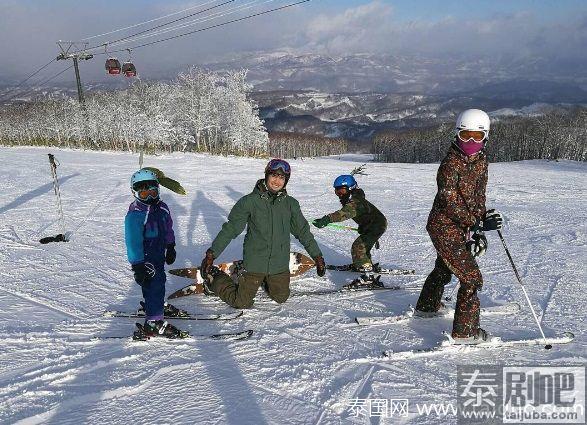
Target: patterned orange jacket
460	199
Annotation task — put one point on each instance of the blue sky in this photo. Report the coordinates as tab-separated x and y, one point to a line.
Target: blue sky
552	29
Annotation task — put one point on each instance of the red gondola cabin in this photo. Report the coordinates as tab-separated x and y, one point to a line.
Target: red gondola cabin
129	69
112	66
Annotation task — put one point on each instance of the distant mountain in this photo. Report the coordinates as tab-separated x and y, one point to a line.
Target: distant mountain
393	73
356	95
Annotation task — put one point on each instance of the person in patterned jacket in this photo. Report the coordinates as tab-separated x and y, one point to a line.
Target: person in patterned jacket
456	224
372	223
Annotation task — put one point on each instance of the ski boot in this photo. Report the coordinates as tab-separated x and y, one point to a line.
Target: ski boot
368	280
168	310
158	328
172	311
477	338
365	268
442	311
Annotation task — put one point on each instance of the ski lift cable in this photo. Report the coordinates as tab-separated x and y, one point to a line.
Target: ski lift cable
165	24
201	20
29	77
149	21
38	85
211	26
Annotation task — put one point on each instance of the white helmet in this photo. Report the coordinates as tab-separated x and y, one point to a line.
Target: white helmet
472	119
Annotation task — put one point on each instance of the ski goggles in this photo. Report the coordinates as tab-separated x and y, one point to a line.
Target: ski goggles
146	193
277	165
477	135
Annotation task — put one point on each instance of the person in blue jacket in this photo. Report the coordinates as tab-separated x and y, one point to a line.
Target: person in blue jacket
150	243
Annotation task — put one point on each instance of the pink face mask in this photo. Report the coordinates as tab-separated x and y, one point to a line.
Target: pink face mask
471	147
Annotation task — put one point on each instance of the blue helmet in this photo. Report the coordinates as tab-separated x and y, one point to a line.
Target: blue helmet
149	179
142	175
345	180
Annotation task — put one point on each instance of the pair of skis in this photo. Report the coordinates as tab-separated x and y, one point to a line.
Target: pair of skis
449	345
226	336
183	315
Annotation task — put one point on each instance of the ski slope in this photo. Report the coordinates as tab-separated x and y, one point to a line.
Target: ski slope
307	358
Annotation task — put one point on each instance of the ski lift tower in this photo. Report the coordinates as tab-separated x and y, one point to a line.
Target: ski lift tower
77	51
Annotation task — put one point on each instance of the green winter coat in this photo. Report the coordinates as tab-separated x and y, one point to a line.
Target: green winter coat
270	219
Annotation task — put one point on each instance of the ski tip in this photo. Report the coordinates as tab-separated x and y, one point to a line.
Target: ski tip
569	335
235	337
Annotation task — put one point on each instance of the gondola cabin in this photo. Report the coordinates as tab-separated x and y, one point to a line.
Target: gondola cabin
112	66
129	69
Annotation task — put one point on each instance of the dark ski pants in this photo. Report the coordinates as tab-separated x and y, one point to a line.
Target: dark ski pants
454	258
154	295
361	248
242	295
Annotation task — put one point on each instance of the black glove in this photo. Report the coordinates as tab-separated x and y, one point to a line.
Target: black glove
170	254
322	222
207	263
493	220
477	245
143	272
320	266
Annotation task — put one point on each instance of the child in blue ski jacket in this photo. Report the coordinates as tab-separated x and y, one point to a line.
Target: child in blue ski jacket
150	243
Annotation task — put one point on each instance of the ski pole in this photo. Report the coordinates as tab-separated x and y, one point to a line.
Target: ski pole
449	298
547	346
62	237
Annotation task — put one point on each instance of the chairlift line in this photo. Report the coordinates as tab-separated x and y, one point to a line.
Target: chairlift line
213	16
213	26
27	78
147	22
165	24
31	89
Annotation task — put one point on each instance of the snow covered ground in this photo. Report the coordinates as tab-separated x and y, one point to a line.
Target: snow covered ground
306	359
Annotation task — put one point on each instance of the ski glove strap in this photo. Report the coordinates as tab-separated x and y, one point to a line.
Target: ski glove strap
170	254
322	222
143	273
493	221
477	245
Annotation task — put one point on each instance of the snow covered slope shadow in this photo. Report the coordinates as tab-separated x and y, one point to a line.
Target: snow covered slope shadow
306	359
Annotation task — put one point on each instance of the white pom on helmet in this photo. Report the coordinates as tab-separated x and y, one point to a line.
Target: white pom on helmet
473	119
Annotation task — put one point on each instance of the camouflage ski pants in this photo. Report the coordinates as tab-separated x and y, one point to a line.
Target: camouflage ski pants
453	258
361	248
242	295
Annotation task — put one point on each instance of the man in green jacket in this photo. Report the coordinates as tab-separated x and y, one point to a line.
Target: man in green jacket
270	215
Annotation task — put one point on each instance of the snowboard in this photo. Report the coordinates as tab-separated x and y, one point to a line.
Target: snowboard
298	265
